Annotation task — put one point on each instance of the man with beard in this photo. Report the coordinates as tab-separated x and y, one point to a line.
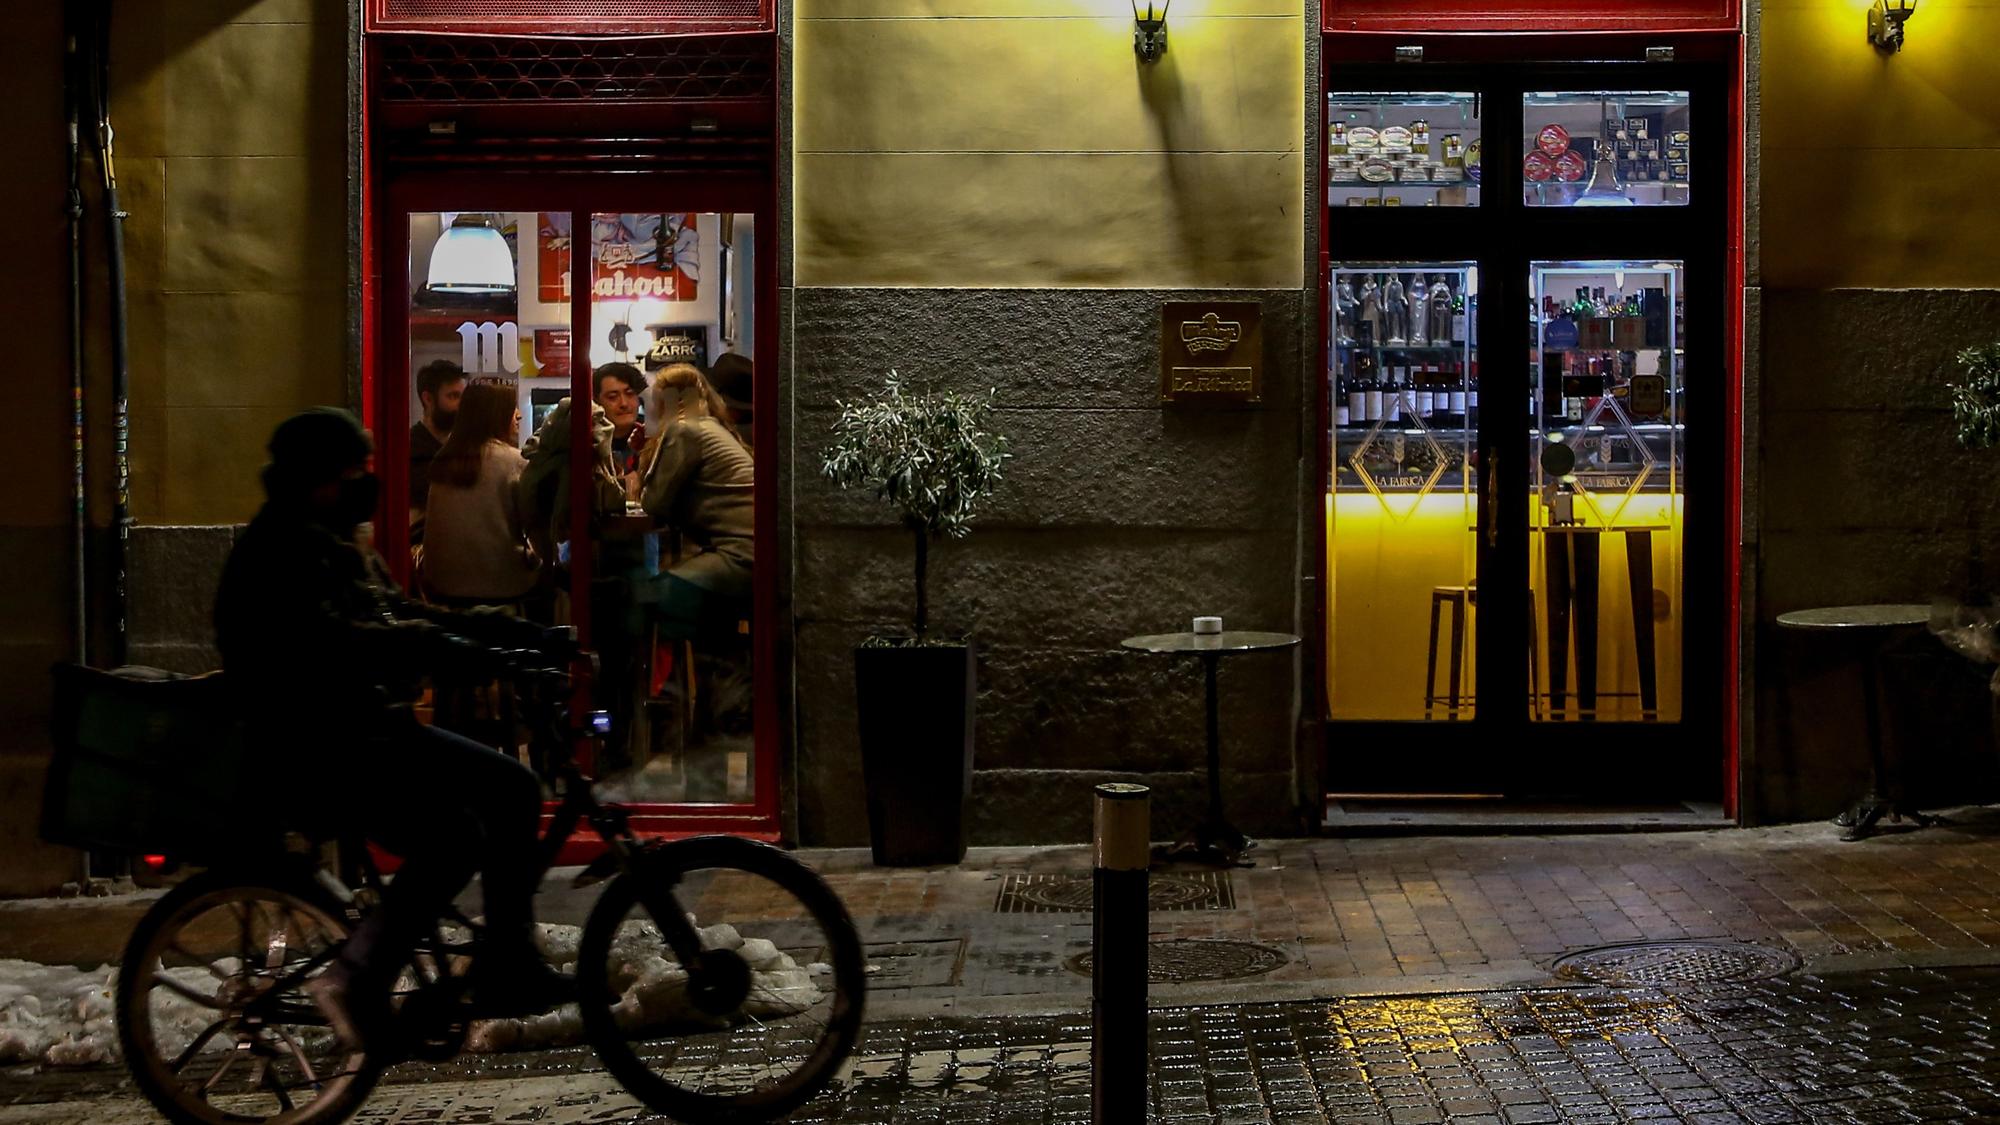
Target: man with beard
439	385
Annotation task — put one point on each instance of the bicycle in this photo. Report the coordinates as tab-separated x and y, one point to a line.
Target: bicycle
741	1020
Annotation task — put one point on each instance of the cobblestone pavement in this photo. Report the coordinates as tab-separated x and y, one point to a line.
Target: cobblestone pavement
1886	1046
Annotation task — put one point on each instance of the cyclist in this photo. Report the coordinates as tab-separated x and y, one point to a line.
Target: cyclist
318	647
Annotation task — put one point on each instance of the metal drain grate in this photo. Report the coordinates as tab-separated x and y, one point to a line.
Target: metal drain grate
1644	963
1184	960
1070	894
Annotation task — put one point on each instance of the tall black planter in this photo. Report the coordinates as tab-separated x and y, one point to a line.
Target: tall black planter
916	708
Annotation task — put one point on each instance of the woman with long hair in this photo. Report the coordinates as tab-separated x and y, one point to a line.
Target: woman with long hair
475	545
696	476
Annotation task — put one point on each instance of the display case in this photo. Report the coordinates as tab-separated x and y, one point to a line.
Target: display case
1402	150
1606	149
1608	357
1405	379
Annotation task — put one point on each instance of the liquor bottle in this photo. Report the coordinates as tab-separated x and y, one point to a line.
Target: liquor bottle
1460	321
1371	386
1354	411
1341	417
1345	310
1370	308
1419	314
1461	400
1426	394
1391	391
1396	308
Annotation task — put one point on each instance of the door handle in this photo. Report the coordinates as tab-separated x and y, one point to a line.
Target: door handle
1490	484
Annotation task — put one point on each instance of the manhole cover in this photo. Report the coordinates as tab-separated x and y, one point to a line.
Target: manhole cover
1675	962
1181	960
1071	894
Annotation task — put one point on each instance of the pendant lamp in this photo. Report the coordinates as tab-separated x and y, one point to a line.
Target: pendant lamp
472	258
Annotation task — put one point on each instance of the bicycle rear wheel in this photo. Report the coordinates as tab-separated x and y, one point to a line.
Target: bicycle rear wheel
762	1018
212	1014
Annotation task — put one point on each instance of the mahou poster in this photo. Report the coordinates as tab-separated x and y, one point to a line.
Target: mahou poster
640	255
644	256
552	257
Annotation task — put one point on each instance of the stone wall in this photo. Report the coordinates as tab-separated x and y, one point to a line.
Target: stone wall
1118	517
1866	497
1874	256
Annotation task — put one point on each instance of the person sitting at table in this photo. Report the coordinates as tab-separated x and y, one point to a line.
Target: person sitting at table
476	549
697	477
618	388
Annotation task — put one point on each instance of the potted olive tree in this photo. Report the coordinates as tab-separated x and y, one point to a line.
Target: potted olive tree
930	455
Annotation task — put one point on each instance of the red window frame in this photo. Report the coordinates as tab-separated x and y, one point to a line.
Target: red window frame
1449	31
1529	16
387	387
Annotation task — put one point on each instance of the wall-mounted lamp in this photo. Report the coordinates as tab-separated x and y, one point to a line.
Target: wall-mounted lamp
1149	31
1885	23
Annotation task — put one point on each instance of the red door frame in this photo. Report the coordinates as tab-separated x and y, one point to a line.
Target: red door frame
1490	30
386	387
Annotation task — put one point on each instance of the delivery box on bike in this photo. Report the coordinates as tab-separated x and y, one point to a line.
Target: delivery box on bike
149	762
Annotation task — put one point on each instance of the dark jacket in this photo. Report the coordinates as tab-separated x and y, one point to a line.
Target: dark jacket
309	633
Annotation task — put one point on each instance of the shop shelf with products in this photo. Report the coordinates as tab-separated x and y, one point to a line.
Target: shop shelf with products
1404	377
1402	150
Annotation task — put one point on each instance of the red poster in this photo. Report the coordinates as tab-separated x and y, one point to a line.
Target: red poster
649	256
552	257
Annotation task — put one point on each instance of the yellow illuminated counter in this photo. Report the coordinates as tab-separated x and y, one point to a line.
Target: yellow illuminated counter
1396	553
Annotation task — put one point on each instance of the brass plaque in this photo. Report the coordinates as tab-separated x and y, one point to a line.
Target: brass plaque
1211	351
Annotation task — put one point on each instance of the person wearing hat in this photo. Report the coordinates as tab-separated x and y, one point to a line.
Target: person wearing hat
732	377
317	649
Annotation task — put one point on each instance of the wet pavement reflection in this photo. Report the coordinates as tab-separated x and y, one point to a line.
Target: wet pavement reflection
1889	1046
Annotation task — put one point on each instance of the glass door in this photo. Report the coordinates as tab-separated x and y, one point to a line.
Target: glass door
1496	609
1405	384
1607	517
602	364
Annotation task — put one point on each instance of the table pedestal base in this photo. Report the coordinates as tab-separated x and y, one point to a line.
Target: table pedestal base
1862	817
1211	841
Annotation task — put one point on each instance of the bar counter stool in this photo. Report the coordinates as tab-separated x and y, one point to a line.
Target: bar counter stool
1462	600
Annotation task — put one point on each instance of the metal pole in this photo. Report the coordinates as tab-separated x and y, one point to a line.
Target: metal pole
74	89
1118	1092
120	364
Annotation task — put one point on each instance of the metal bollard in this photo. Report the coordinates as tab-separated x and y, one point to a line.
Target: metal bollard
1118	1090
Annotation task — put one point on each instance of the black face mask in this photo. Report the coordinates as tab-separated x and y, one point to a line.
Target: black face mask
356	502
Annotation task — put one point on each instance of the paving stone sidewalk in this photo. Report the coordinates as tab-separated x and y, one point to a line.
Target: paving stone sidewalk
1355	915
1349	915
1887	1046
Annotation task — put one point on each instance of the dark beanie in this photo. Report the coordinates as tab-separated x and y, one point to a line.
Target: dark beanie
316	446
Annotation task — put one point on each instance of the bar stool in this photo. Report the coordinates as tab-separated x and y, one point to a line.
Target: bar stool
1462	599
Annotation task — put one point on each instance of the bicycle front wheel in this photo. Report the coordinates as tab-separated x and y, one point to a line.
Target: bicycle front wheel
213	1016
754	1026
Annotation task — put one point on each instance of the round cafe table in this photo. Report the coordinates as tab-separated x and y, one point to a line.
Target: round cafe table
1214	839
1874	626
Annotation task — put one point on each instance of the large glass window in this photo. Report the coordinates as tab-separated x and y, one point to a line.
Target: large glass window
670	364
1606	149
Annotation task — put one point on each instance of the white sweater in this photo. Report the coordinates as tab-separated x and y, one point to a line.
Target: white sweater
474	545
